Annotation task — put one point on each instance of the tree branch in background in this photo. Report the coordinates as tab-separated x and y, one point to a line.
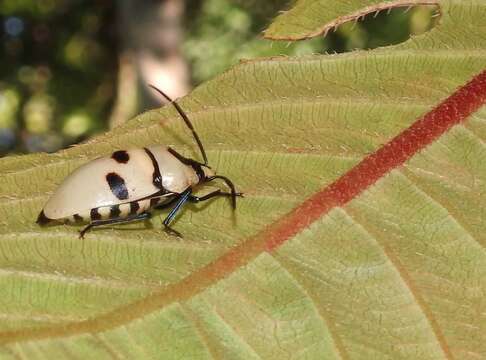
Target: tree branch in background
151	35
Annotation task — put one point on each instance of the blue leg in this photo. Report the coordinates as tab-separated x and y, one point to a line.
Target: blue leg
181	201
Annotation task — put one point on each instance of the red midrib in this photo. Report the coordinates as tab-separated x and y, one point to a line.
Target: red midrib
423	132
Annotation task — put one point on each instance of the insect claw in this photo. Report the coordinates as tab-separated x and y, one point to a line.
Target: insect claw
172	232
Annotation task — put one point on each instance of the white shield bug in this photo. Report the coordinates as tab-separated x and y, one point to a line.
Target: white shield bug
127	185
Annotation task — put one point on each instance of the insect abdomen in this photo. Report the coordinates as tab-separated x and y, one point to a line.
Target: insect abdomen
118	211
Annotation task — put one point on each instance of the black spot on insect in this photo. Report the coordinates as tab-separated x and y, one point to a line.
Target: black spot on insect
115	211
77	218
95	215
117	185
134	206
42	219
121	156
154	201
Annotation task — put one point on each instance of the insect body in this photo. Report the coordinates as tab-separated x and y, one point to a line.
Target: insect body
125	186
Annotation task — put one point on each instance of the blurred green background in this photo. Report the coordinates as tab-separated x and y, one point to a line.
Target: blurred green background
70	69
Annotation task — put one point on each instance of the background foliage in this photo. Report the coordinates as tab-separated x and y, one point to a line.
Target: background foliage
59	58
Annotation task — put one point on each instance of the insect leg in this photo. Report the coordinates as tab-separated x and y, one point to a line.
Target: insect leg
218	192
230	184
181	201
131	218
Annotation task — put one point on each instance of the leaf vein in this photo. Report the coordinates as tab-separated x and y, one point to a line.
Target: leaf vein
408	283
201	332
321	312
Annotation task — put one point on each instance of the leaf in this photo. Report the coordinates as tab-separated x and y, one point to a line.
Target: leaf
311	18
389	264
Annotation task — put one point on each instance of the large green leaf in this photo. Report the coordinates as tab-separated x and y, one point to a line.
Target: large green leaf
397	272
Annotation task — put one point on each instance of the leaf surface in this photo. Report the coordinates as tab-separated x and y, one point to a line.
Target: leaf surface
395	270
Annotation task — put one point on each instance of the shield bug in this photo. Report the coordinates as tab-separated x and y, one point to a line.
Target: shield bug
125	186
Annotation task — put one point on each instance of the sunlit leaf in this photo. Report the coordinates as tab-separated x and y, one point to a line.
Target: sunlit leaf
398	271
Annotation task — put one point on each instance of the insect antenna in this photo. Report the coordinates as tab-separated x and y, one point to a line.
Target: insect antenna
186	120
